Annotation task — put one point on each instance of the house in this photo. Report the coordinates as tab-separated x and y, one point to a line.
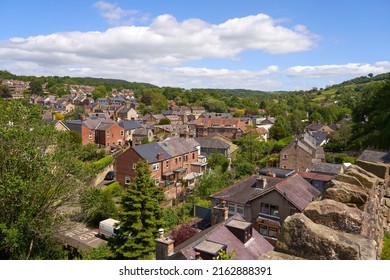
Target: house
99	131
140	135
174	119
301	154
276	172
60	126
209	146
129	127
109	134
86	131
230	235
233	148
267	201
376	162
321	137
154	118
317	180
264	133
169	162
266	123
327	168
232	128
216	115
319	127
198	110
127	113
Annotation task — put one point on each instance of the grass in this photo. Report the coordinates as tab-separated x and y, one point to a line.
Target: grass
385	255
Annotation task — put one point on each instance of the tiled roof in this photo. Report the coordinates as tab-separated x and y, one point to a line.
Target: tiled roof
212	143
222	123
220	233
375	156
150	152
327	168
130	125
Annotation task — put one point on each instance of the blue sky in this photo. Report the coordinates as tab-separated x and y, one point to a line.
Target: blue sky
252	44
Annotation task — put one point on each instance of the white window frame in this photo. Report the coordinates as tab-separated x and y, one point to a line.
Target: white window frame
127	180
156	166
235	208
134	166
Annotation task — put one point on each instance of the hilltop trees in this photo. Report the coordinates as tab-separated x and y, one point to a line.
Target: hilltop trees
141	216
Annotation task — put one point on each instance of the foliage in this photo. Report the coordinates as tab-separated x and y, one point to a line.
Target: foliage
218	159
281	143
141	216
115	189
4	91
174	216
97	205
100	92
224	255
36	87
372	118
213	182
164	121
339	158
103	252
38	178
243	167
59	116
385	254
90	152
102	163
183	233
280	129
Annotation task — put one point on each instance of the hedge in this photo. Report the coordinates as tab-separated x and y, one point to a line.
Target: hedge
102	163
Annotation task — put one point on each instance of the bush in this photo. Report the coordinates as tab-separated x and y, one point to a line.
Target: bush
114	189
102	163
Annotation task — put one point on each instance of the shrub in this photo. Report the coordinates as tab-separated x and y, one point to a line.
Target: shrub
102	163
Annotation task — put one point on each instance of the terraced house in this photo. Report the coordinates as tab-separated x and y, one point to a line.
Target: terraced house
169	161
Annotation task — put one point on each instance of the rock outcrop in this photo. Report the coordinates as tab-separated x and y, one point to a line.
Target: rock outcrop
347	222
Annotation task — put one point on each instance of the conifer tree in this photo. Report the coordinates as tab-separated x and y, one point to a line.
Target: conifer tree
141	216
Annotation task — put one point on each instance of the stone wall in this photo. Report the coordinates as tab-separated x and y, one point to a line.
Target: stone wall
347	222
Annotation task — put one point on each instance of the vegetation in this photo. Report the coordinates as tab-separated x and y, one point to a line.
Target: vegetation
141	217
39	178
385	255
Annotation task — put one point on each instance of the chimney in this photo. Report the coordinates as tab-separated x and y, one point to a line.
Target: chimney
164	246
160	156
261	183
219	213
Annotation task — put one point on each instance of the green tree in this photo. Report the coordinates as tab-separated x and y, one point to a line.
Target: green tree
164	121
280	129
213	182
36	87
141	216
218	159
38	179
100	92
4	91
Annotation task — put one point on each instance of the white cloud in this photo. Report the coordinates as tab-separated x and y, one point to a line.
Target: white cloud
157	53
338	70
115	15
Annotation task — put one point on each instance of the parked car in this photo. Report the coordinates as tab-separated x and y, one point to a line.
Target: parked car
110	175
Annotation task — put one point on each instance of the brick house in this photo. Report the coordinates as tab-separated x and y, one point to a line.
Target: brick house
301	154
103	132
109	134
267	201
232	128
169	161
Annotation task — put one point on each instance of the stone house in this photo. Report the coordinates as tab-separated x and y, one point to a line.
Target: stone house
301	154
126	113
267	201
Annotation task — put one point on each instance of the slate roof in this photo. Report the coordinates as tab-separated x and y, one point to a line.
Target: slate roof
220	233
314	126
327	168
212	143
130	125
319	136
279	172
74	125
150	152
295	188
375	156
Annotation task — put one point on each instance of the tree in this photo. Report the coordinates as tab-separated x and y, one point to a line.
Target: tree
36	87
164	121
99	92
218	159
38	180
141	216
182	233
280	129
213	182
4	91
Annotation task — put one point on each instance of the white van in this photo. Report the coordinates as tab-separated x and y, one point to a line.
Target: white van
108	228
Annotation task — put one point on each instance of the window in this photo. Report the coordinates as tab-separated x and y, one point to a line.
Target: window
193	155
175	160
284	156
167	164
122	133
235	208
127	180
268	231
90	136
185	158
108	134
134	166
269	209
156	166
